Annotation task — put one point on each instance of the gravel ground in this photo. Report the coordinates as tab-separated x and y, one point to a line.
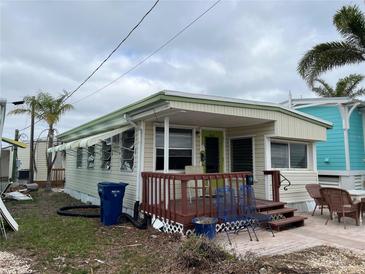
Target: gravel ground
320	259
10	264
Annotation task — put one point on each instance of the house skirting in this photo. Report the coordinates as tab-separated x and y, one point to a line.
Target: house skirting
304	206
89	199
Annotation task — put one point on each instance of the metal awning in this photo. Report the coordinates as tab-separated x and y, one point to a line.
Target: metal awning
89	141
13	142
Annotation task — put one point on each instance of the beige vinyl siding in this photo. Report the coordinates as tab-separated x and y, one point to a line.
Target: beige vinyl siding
85	179
258	133
297	192
285	125
148	146
40	160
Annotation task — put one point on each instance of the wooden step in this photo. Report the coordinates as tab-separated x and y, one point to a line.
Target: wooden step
279	211
287	222
263	205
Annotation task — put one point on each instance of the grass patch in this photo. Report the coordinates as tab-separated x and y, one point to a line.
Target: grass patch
59	244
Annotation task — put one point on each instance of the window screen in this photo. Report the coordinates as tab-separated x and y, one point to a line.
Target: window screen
241	150
91	156
106	153
79	157
298	155
127	150
279	155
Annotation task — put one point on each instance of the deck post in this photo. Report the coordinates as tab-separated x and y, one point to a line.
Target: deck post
275	180
184	196
166	144
166	157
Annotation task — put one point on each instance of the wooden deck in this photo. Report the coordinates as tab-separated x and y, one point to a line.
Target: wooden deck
175	211
181	197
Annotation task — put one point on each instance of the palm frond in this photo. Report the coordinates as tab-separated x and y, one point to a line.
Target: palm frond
320	91
349	83
359	92
46	107
325	85
19	111
326	56
324	90
350	22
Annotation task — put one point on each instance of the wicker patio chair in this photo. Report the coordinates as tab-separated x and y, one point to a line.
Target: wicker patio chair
340	202
314	192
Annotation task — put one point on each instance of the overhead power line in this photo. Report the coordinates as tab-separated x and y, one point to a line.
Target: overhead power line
151	54
114	50
106	59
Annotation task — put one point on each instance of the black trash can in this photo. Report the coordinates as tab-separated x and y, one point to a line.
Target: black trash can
111	201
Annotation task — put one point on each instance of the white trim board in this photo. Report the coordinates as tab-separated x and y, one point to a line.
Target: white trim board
341	172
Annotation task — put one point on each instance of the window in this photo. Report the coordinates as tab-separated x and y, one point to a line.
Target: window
298	155
106	153
288	155
180	150
127	150
242	158
79	157
91	156
279	155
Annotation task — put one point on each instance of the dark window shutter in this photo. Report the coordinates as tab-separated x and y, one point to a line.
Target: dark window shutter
242	159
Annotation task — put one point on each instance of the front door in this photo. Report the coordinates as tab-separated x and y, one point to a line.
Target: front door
213	144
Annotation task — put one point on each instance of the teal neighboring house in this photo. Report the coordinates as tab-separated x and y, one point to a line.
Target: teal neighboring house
340	159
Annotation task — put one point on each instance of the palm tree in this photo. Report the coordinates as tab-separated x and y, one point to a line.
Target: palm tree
345	87
49	109
350	23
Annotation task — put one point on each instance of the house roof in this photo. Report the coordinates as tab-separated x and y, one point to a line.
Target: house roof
115	118
323	101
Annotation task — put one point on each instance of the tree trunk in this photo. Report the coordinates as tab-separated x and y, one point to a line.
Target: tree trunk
49	158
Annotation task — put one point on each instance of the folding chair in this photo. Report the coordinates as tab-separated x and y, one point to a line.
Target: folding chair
228	211
249	210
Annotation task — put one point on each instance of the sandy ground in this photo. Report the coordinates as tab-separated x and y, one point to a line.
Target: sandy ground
10	264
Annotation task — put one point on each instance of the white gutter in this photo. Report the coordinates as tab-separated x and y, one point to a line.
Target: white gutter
140	155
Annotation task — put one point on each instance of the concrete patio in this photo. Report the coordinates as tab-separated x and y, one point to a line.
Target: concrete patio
313	233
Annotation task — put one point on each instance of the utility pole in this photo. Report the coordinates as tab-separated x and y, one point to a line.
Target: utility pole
15	157
31	154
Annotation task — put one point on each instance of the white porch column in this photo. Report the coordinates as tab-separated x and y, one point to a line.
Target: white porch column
166	144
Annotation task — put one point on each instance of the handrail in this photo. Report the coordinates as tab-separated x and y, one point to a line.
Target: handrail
276	183
284	179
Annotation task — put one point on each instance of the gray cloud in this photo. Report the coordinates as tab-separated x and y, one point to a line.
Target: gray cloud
245	49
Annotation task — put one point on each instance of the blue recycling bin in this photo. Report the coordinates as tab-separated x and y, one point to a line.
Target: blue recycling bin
111	201
205	226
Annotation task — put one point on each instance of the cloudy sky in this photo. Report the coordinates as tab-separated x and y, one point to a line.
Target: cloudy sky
242	49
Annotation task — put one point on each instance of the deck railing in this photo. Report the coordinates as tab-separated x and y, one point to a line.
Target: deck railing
58	177
179	197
